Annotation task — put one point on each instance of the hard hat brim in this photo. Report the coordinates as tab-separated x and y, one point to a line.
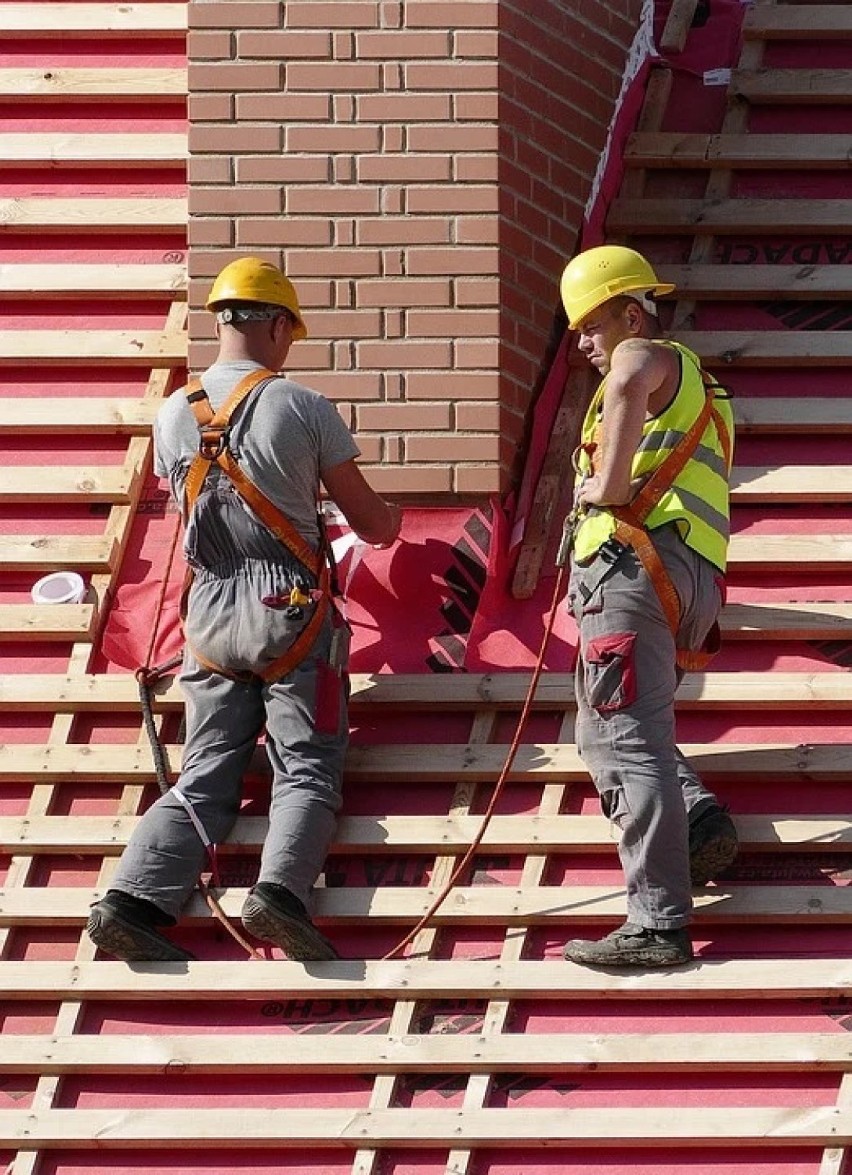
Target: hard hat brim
658	290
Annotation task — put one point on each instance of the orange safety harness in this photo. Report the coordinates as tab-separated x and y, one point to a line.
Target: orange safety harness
213	429
630	519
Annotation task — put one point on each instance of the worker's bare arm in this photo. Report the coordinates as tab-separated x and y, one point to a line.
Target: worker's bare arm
639	371
372	518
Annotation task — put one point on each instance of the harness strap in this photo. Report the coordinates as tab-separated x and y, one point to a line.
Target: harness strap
631	531
293	656
213	449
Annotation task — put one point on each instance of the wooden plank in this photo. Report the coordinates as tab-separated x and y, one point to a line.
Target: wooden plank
36	484
45	553
804	87
118	693
104	416
791	483
349	1127
48	19
36	622
794	551
550	486
540	979
669	215
539	762
114	348
93	281
771	348
679	149
447	835
526	1052
798	22
793	414
739	622
677	26
786	621
69	84
46	622
95	214
108	150
739	281
576	905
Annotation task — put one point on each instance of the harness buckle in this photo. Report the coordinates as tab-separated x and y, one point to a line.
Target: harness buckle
213	442
611	551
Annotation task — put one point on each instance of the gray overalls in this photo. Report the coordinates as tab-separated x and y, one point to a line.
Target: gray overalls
238	565
626	679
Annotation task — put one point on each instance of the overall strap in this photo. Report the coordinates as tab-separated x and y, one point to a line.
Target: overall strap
213	449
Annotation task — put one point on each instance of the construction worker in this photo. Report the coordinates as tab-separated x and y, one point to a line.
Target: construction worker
649	548
244	450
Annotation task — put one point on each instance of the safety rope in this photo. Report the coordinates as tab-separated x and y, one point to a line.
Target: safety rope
146	676
501	779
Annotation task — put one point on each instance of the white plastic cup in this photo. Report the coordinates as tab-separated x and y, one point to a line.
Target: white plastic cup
60	587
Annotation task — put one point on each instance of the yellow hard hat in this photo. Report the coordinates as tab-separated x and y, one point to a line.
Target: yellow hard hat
596	275
251	280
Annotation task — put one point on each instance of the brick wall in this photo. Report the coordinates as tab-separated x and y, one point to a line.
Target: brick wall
419	168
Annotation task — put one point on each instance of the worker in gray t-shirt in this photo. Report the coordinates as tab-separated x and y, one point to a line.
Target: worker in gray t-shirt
257	602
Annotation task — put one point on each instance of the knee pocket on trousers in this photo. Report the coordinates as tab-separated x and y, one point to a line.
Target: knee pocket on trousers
610	675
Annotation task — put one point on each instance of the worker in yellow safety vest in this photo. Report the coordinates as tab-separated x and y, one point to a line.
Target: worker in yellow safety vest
650	530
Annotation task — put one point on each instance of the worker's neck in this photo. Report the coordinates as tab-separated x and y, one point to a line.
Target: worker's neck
236	351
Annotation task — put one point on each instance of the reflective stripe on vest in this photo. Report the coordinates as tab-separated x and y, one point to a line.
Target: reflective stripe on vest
697	501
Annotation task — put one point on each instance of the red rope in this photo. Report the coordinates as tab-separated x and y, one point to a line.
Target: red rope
501	779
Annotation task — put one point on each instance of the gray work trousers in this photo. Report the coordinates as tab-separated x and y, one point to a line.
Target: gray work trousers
224	719
626	679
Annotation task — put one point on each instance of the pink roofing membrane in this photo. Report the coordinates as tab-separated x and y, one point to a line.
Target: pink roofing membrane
440	602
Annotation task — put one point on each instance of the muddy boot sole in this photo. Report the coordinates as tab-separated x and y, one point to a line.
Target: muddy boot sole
298	939
713	858
130	942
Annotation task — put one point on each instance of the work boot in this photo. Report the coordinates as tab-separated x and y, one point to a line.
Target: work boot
126	928
272	913
713	845
632	946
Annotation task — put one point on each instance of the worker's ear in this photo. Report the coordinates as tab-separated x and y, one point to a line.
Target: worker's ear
634	317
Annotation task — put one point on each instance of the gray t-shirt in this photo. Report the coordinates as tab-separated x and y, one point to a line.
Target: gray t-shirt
284	437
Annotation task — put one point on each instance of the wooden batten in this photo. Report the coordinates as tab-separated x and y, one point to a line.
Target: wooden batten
658	149
31	281
87	771
70	84
93	150
152	18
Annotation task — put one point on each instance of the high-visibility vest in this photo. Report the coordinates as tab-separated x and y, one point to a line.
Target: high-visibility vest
697	500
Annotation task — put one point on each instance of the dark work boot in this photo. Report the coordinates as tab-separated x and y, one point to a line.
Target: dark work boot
126	928
632	946
275	915
713	845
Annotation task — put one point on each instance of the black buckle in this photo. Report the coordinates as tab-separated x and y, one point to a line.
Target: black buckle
611	551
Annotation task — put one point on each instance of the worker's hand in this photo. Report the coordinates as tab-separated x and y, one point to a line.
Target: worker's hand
396	524
594	492
590	492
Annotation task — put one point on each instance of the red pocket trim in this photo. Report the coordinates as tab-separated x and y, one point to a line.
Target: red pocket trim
612	645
